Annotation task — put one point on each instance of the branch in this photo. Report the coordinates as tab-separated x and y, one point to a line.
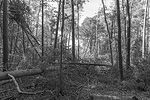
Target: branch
88	64
18	88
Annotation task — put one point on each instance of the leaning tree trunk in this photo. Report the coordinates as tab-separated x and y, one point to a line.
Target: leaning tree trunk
119	40
5	36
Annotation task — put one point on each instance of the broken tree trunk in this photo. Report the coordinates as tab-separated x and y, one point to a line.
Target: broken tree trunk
19	73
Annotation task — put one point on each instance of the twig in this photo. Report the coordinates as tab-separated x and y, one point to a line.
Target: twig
5	82
19	90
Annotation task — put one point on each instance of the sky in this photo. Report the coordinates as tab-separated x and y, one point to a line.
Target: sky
91	8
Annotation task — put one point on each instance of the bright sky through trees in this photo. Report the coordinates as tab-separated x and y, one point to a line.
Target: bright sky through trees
91	8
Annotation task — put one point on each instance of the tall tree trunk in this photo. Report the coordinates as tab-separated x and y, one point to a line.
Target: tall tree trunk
119	40
5	36
109	34
124	17
128	34
42	29
57	25
144	30
149	30
73	32
61	56
78	30
96	41
37	22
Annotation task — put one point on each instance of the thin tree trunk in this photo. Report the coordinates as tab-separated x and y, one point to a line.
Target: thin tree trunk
96	39
42	29
33	46
128	34
37	23
73	32
85	51
78	31
23	42
119	40
149	30
69	41
109	34
144	30
124	17
61	56
57	25
5	36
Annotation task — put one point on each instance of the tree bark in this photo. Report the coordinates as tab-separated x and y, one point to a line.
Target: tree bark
78	30
42	29
5	36
119	40
57	25
144	30
23	73
109	34
61	55
73	33
19	73
128	34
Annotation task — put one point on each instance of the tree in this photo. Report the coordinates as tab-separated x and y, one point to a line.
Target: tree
42	29
61	55
144	30
5	36
78	19
73	32
119	40
57	25
128	34
109	34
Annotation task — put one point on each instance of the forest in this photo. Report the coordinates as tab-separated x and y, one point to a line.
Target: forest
46	54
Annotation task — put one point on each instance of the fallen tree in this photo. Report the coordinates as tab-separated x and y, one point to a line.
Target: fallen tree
86	64
30	72
19	73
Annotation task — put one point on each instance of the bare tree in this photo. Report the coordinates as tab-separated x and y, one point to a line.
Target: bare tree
128	34
57	25
61	56
109	34
144	30
73	32
42	28
119	40
78	29
5	36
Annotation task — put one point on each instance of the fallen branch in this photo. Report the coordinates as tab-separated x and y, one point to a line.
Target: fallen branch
18	88
88	64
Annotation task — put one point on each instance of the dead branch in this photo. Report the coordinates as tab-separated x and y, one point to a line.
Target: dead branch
18	88
87	64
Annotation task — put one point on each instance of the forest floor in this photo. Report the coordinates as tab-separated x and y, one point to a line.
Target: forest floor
44	87
8	91
117	94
